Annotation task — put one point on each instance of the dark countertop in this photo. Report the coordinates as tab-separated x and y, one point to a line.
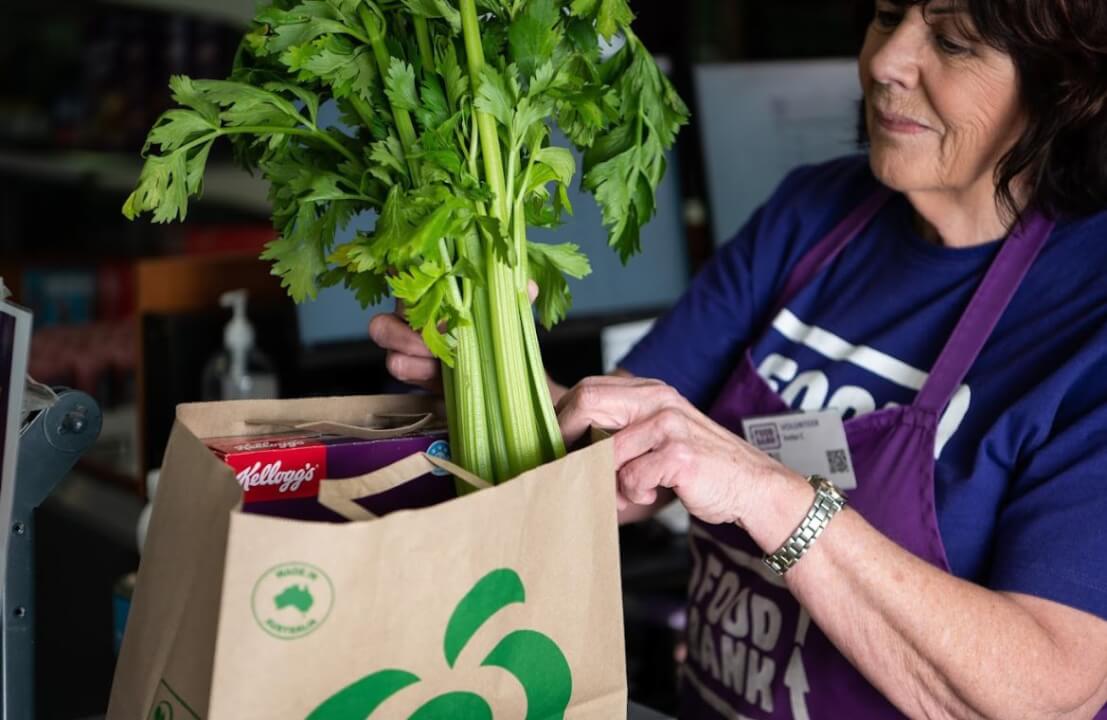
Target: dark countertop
638	712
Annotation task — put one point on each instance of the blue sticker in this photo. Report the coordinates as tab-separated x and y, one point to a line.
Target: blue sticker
441	450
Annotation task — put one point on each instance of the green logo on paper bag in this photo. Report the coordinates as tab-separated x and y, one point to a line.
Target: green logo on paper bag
162	711
297	596
532	658
291	600
168	705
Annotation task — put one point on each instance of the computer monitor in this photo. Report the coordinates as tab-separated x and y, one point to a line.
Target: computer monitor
761	120
650	281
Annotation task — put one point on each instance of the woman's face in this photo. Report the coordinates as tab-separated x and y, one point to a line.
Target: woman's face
941	107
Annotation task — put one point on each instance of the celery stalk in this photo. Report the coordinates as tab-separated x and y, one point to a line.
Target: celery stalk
509	363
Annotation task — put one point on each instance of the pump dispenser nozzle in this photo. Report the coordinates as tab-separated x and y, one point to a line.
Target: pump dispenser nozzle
240	371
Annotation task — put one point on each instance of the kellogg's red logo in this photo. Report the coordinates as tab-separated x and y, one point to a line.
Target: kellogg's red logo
288	481
280	474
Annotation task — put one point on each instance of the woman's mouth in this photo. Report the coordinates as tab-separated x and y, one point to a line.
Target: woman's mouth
900	124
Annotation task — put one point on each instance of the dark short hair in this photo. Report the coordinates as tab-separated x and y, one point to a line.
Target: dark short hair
1059	48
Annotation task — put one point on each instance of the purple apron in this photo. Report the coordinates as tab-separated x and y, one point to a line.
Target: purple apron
753	652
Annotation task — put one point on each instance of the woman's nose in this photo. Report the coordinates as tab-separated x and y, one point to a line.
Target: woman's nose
897	61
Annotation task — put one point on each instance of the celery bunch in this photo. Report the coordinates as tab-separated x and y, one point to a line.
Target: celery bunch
450	104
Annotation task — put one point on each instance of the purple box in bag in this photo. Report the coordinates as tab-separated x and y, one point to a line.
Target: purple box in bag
280	473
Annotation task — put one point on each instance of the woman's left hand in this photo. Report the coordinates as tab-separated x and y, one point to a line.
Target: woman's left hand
662	441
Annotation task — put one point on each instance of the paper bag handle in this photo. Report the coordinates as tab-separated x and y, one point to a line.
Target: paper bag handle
412	424
340	496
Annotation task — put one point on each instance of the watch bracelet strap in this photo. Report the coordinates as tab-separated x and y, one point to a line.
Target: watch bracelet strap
828	501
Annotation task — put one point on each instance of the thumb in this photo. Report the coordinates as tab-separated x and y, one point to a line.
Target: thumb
532	290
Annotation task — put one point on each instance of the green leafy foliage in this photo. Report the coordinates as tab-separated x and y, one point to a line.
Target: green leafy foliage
625	165
334	62
400	86
610	15
534	35
549	264
432	93
436	9
623	113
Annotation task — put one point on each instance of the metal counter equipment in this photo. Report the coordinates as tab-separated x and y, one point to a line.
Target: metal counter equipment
51	440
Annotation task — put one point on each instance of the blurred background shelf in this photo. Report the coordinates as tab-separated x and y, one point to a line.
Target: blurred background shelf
117	173
235	12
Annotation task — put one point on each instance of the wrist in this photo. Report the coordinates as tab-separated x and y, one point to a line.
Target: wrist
829	501
783	500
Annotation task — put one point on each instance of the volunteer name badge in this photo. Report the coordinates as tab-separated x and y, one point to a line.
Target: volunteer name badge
810	443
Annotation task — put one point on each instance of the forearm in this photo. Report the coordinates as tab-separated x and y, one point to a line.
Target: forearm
935	645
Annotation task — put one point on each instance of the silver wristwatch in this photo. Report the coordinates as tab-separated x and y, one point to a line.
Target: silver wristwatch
828	501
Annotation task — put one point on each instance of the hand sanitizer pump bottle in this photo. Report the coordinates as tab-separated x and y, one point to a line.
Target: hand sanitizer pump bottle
239	371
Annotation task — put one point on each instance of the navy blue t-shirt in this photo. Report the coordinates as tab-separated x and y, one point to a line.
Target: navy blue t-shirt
1021	456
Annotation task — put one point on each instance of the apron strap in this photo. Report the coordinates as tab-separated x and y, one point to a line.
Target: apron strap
823	253
987	306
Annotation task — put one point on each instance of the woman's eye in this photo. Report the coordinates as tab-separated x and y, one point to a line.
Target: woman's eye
949	47
888	19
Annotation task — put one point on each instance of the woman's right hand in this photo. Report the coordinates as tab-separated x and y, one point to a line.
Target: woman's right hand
408	359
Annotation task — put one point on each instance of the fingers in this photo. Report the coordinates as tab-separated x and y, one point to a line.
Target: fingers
640	479
665	426
532	291
392	333
408	359
414	370
653	454
611	403
587	389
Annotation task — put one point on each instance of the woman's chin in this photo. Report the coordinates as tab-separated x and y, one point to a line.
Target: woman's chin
897	170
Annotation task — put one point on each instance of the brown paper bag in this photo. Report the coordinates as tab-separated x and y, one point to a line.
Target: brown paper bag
504	603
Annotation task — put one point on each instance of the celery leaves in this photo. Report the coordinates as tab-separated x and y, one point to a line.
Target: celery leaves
448	108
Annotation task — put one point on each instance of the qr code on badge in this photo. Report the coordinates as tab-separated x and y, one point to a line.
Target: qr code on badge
838	461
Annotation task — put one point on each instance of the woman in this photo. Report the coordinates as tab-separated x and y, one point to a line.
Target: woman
966	575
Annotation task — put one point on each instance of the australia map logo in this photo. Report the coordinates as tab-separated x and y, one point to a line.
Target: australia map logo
292	600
